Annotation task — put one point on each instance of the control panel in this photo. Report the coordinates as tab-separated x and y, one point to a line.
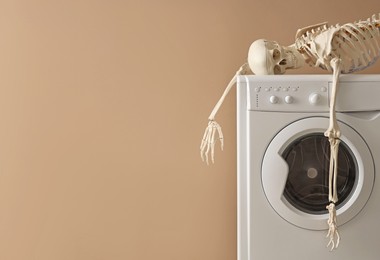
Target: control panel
310	93
288	96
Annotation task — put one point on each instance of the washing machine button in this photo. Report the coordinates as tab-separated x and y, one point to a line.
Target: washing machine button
289	99
273	99
314	98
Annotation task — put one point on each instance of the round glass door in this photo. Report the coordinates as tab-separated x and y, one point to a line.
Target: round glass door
307	185
295	170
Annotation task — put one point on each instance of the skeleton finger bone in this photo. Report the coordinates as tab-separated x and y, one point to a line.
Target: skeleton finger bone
212	143
220	133
205	144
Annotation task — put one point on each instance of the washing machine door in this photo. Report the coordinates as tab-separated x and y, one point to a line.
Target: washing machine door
295	173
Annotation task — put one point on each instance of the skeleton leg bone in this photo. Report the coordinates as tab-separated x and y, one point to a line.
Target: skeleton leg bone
333	133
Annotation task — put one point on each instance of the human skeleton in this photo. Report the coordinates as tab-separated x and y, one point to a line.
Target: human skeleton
339	48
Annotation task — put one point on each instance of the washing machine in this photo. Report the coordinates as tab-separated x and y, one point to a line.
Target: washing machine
283	166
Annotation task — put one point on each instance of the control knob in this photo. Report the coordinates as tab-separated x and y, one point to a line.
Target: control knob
273	99
314	98
289	99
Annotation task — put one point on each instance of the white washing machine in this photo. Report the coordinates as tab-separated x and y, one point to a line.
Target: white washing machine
283	162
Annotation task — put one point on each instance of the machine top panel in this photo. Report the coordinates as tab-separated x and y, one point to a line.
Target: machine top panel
311	93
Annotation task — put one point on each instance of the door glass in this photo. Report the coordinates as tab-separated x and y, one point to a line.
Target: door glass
307	186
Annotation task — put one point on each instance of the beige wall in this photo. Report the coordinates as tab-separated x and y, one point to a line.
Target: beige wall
102	107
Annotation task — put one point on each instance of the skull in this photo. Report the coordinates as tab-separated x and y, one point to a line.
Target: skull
268	58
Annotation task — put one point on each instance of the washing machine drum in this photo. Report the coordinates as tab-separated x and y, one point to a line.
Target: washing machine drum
295	173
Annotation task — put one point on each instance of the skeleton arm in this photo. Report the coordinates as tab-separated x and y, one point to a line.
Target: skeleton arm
208	141
333	134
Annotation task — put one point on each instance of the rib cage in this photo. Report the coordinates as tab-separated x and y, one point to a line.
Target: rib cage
356	44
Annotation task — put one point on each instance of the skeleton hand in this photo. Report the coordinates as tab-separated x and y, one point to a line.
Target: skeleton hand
208	140
333	233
